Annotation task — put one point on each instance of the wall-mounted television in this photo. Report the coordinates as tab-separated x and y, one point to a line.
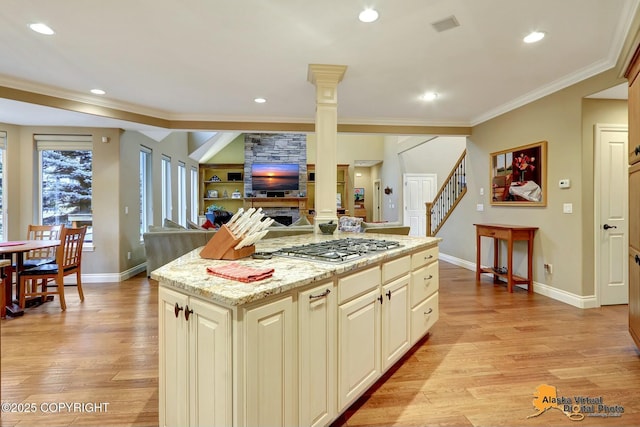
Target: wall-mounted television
275	176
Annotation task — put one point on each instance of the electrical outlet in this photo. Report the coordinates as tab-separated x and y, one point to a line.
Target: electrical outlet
548	268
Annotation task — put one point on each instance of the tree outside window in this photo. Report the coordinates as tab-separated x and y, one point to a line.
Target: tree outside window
66	188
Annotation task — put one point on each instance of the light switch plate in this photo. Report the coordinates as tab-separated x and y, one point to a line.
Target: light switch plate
564	183
480	207
567	208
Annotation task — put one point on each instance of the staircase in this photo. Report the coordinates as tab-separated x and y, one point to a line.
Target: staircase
452	190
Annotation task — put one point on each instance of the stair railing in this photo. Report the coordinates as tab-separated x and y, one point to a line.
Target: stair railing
449	195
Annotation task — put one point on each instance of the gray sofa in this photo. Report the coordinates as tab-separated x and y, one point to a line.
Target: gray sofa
164	244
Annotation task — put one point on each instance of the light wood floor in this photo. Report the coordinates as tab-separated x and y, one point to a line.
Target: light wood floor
479	367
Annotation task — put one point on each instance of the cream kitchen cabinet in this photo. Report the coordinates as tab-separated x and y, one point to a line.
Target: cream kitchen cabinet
195	364
268	382
358	346
317	355
424	292
396	337
249	355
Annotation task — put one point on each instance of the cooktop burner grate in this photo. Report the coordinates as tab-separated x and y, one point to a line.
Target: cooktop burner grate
336	251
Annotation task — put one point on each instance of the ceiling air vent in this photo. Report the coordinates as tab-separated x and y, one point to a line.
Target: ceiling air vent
446	24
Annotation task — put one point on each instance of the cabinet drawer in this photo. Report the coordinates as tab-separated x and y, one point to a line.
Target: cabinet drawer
358	283
395	268
424	282
423	317
424	257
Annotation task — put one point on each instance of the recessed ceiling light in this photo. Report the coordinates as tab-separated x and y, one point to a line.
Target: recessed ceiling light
368	15
98	91
259	100
533	37
41	28
429	96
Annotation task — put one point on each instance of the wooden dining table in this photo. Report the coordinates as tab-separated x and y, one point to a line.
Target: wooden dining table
15	250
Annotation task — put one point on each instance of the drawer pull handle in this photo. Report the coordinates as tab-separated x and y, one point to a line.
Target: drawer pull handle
637	259
637	150
177	309
322	295
428	257
388	294
428	278
380	299
429	312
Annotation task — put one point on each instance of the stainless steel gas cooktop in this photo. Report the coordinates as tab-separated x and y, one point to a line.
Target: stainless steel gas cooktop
336	251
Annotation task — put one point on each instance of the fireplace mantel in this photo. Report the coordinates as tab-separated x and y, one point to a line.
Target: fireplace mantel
276	202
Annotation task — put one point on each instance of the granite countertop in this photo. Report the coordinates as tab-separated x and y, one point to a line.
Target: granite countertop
188	273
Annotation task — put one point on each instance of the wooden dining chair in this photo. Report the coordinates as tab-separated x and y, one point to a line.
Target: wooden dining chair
68	260
38	257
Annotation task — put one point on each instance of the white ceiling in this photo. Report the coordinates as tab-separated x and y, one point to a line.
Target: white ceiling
208	59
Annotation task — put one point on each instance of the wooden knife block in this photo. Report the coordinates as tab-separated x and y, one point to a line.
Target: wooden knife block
222	244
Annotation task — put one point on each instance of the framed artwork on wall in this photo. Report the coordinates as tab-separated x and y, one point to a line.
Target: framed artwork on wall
519	176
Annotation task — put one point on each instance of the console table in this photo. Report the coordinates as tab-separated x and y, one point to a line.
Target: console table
509	233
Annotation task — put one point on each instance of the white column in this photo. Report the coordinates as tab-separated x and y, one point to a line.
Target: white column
326	79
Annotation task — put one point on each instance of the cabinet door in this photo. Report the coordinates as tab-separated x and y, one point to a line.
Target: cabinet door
174	359
210	364
317	355
269	364
358	346
634	295
634	117
634	206
395	321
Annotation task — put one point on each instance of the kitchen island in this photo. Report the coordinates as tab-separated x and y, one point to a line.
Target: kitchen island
296	348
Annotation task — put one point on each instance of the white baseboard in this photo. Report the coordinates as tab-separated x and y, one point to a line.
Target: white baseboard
588	301
108	277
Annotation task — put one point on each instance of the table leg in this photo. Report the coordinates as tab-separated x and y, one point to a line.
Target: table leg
496	258
14	309
530	263
510	263
478	258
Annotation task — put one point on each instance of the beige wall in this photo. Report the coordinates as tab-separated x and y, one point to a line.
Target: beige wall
564	240
115	186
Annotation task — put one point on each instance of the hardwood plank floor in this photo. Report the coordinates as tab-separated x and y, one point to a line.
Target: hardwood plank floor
480	366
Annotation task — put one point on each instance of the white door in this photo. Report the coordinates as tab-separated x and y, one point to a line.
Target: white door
419	188
612	286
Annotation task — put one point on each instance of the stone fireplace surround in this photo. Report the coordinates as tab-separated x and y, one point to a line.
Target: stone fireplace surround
276	148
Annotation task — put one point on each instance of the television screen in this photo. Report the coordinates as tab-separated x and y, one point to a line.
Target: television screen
274	176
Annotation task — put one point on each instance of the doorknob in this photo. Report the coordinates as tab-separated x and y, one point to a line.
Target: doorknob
607	226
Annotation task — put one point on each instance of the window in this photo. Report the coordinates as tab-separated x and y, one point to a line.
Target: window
65	180
194	194
182	194
166	187
146	200
3	183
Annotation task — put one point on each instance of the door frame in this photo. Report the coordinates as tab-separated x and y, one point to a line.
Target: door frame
597	218
377	200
